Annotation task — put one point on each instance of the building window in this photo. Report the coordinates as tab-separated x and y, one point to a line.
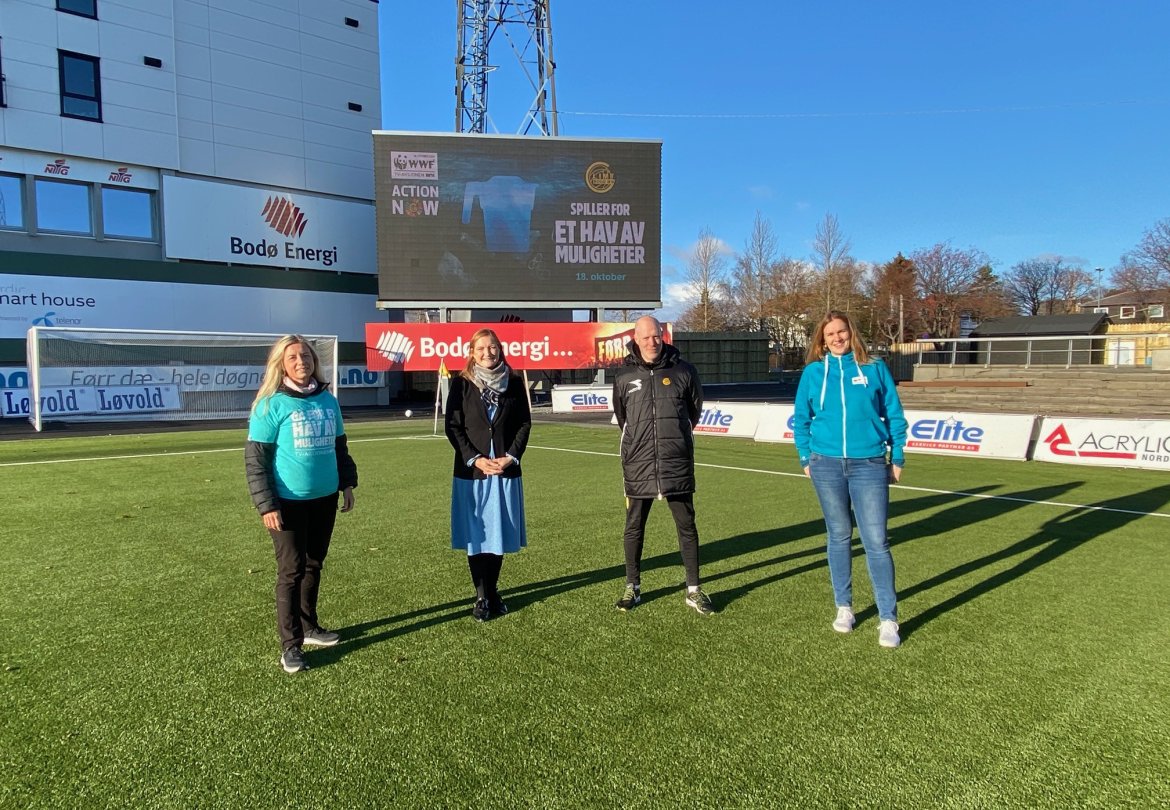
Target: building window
63	207
3	100
11	201
82	8
1156	311
81	87
127	213
1127	312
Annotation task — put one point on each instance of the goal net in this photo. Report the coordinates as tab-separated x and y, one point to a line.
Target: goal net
89	375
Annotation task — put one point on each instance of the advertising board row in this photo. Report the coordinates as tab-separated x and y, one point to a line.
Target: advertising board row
1139	443
139	389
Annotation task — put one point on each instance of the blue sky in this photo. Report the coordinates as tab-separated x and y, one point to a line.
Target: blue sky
1020	128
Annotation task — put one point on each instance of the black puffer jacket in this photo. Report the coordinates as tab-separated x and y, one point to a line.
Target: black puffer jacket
657	407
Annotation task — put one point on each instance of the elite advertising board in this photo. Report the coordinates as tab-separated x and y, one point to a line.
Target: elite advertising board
737	419
987	435
221	222
527	346
582	399
27	300
1142	443
470	220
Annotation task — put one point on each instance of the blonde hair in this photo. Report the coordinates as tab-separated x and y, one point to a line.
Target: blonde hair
274	366
817	348
468	372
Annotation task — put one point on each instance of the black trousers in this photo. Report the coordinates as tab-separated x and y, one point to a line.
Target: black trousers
301	547
682	508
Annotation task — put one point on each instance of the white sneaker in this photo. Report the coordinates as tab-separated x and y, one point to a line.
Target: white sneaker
888	634
844	621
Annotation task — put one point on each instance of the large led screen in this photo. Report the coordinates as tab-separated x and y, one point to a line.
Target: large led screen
474	219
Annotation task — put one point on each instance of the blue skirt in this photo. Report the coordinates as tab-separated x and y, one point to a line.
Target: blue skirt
487	516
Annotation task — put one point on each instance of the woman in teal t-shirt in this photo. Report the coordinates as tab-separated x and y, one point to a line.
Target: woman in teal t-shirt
297	462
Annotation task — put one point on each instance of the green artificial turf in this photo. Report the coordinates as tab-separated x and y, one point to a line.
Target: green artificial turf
138	651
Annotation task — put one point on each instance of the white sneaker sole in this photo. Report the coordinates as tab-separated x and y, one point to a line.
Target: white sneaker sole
312	642
291	670
843	628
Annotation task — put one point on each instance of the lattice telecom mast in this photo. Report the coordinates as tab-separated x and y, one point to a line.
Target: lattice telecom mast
527	27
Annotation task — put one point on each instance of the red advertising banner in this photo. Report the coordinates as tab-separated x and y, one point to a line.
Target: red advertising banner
527	346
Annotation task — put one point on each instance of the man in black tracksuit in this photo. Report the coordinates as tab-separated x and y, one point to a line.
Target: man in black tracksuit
657	399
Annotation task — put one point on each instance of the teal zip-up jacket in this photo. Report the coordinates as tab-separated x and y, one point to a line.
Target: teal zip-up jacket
848	410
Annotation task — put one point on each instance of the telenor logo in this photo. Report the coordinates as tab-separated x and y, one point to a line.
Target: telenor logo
284	216
395	347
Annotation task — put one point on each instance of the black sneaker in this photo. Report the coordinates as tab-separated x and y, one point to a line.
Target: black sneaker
292	660
496	606
631	596
700	602
480	610
320	637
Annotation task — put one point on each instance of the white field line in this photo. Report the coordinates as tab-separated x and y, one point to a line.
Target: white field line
956	493
894	486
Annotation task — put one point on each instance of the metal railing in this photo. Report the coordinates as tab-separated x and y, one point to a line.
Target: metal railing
1120	350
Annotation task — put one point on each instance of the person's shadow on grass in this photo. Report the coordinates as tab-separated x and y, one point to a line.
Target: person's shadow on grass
1055	538
815	556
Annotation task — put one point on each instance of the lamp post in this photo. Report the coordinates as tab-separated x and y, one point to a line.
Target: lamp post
1100	272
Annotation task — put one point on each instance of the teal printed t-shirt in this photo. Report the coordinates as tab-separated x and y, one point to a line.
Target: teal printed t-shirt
304	430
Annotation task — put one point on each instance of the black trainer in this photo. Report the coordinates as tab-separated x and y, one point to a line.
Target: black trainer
700	602
320	637
480	610
631	596
496	606
292	660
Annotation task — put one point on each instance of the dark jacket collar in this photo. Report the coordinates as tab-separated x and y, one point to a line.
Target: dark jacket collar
666	358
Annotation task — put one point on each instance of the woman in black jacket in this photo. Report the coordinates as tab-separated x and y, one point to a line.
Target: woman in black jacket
487	422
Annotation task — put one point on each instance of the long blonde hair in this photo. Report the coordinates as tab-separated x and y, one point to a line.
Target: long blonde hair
274	366
817	348
468	372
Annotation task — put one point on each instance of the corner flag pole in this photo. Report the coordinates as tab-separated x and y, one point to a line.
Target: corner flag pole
439	395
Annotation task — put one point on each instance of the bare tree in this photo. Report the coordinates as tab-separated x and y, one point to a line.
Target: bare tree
753	280
706	275
1046	285
946	276
1025	285
830	255
1146	268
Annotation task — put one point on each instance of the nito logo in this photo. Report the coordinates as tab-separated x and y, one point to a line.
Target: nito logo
284	216
395	347
58	166
120	175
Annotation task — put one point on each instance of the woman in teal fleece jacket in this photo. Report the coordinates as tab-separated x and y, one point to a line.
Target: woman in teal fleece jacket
850	432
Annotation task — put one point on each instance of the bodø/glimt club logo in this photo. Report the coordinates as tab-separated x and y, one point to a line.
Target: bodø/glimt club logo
599	177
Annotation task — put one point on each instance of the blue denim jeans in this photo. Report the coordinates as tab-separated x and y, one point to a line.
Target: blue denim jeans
860	485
